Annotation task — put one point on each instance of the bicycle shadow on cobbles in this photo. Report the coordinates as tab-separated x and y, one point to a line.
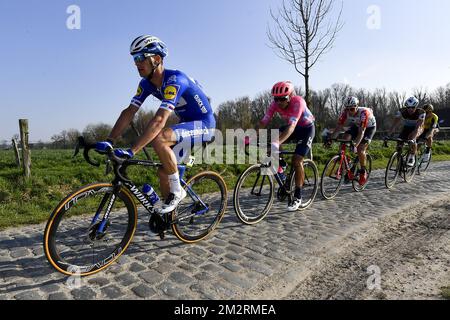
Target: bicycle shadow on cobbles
13	273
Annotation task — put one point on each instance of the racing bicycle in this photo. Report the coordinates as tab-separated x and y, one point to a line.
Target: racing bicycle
341	168
254	192
397	165
94	225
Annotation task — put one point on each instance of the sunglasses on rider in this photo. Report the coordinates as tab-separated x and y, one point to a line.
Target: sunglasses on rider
351	109
140	57
281	99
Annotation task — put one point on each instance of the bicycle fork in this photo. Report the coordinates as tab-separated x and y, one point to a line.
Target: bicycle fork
97	229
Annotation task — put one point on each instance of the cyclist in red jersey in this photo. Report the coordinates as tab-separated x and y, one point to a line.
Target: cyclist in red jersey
363	126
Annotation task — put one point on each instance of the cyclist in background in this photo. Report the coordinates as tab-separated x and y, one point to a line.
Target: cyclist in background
178	93
300	128
413	120
430	127
363	126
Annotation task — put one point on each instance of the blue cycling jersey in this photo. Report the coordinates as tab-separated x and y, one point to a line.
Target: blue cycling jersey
179	93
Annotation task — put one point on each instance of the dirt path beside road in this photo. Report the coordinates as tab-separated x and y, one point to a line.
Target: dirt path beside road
404	256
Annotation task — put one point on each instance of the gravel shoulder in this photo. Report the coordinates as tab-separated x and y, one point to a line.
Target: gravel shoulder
404	256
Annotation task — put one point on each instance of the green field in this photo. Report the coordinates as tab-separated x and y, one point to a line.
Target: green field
55	173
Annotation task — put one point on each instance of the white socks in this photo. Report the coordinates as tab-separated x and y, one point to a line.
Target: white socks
174	183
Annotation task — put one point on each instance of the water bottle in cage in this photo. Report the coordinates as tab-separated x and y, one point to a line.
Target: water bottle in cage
282	170
150	193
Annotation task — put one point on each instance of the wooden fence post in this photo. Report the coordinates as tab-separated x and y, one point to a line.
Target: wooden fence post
16	152
26	156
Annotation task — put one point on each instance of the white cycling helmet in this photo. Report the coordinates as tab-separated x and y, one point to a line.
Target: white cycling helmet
148	44
412	102
351	102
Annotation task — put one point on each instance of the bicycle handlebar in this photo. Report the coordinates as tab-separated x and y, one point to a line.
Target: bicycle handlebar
118	162
387	138
347	142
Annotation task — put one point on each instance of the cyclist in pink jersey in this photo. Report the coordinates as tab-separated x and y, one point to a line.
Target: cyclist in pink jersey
300	128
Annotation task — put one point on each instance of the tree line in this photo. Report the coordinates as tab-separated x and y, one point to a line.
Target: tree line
245	112
326	105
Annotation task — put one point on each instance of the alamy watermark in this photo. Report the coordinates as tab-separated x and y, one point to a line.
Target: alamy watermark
73	21
374	280
374	20
237	146
74	281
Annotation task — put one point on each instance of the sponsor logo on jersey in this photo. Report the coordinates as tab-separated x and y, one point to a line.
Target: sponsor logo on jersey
172	79
139	91
200	103
170	92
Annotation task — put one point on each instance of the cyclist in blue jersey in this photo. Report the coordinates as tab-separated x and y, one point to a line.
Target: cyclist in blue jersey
178	93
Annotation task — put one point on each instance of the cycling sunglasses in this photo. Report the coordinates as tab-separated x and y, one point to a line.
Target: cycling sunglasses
140	57
280	99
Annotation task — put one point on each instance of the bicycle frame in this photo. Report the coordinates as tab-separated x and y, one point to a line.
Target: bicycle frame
344	163
134	190
275	174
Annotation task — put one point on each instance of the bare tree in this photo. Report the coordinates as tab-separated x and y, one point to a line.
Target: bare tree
421	94
397	100
303	34
72	136
337	94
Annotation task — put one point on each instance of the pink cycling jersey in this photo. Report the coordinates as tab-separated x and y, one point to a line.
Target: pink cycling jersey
364	118
296	113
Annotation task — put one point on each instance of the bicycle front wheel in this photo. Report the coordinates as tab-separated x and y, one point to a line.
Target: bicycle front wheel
410	172
76	242
253	194
355	183
392	170
332	177
310	185
200	212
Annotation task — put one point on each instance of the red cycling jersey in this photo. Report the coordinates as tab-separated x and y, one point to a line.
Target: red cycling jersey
364	118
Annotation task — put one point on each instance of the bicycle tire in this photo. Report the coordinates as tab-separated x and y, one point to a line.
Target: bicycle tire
389	183
332	162
59	259
310	183
241	215
423	165
184	232
355	183
410	172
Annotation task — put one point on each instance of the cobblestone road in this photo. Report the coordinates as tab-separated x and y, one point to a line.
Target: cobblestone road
236	262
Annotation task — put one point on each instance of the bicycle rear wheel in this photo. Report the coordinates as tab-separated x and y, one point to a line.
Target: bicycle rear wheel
253	194
355	183
332	176
310	185
200	212
423	165
73	243
392	170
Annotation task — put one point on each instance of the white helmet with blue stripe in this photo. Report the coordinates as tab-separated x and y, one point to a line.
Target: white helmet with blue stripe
412	102
148	44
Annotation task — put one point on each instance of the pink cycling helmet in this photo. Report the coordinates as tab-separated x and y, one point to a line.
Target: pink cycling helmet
282	89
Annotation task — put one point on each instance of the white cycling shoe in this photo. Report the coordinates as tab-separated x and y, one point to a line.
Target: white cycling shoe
172	202
411	161
295	205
